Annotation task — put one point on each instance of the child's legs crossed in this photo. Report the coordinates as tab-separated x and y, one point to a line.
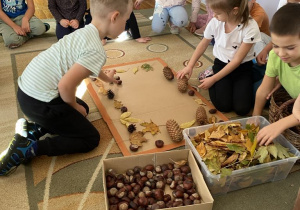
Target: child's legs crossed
178	16
75	133
37	27
160	19
10	36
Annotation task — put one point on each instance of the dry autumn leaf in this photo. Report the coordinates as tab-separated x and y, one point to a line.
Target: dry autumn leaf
120	70
134	70
150	127
187	124
137	137
199	102
125	115
118	104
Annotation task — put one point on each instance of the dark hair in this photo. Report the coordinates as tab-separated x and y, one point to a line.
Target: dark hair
228	5
286	21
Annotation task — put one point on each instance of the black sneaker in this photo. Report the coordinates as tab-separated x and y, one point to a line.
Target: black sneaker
19	150
47	26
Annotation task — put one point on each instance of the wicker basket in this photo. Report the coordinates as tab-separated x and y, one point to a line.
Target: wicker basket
281	106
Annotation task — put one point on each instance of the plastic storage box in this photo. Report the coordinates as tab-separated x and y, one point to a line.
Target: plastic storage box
247	177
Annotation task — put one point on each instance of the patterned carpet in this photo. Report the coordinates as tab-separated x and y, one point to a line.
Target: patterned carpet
75	181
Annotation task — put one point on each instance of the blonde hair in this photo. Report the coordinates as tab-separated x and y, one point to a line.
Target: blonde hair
228	5
101	8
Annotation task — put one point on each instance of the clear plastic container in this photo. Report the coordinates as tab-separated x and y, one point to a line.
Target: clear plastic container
247	177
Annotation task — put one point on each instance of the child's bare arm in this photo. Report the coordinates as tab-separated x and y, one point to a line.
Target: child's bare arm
68	84
267	134
202	46
108	76
9	22
28	15
261	94
233	64
296	108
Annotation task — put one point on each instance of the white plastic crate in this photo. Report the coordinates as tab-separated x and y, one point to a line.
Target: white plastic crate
247	177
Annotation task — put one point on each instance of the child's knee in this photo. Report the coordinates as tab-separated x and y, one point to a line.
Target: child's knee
180	23
37	27
13	39
157	29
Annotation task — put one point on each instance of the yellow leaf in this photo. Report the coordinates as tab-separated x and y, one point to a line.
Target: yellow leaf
132	120
134	70
200	102
137	137
120	71
201	149
150	127
253	147
248	145
123	121
118	104
187	124
125	115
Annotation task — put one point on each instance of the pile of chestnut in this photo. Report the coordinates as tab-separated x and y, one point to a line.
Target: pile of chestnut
144	188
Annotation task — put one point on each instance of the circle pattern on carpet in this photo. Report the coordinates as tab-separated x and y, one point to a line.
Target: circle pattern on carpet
114	53
157	48
197	65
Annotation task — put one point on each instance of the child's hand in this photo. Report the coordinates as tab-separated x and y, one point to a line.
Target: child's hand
19	30
137	4
207	83
267	134
110	74
64	23
74	23
192	27
25	25
183	72
261	58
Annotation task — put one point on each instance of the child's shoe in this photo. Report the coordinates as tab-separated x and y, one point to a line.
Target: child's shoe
200	31
19	150
47	26
206	73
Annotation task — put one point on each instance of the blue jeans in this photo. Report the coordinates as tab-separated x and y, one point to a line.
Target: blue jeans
177	15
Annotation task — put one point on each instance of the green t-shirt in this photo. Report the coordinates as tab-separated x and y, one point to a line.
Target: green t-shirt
289	77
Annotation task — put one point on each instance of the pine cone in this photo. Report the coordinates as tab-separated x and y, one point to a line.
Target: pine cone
182	84
201	116
168	73
174	130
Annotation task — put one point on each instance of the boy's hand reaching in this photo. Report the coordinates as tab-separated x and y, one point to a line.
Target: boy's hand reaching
20	31
261	58
64	23
267	134
74	23
25	25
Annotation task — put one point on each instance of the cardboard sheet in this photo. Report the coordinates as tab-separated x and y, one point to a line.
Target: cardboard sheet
150	97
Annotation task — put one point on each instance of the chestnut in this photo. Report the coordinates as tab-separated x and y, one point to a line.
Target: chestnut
133	205
161	204
133	147
137	169
112	192
177	194
143	201
159	194
212	111
113	200
149	167
123	109
167	197
185	169
191	93
119	82
187	184
187	202
159	143
123	205
113	207
160	185
117	78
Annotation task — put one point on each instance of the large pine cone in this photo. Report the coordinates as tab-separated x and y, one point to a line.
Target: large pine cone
182	84
201	116
168	73
174	130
